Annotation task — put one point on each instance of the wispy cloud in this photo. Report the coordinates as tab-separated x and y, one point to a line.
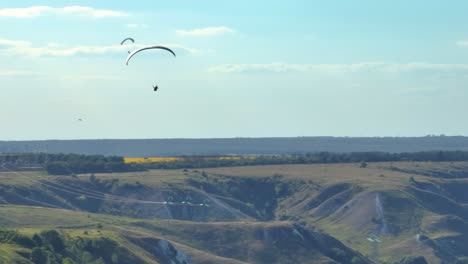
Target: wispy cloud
79	77
13	43
462	43
204	32
137	26
340	68
95	77
182	48
272	67
19	73
36	11
25	48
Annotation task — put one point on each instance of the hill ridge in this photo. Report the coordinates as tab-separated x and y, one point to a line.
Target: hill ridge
237	146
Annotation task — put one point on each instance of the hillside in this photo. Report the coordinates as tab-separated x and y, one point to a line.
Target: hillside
238	146
127	240
258	214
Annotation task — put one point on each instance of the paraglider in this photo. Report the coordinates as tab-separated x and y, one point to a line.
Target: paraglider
123	41
147	48
127	39
131	54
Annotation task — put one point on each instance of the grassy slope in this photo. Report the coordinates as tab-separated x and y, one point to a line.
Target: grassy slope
9	254
204	242
406	212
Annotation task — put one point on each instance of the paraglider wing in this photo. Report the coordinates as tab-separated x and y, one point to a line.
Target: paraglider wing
123	41
147	48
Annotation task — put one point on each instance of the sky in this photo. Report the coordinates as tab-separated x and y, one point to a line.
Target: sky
243	69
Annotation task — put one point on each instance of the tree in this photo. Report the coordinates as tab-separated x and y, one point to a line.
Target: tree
338	254
54	239
39	255
413	260
92	178
462	260
68	261
37	239
356	260
58	168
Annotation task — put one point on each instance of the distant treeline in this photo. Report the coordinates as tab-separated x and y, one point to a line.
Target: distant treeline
311	158
237	146
67	164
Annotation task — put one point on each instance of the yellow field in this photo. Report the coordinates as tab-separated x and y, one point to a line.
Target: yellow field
172	159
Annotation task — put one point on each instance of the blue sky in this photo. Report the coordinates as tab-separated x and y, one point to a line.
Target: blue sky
243	69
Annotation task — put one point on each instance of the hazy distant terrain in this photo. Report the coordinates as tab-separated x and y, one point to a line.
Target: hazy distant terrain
177	147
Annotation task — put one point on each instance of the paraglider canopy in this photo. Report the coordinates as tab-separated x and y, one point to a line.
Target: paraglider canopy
147	48
127	39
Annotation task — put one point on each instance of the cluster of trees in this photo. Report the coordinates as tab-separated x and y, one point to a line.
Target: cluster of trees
422	260
67	164
83	166
413	260
51	247
44	158
13	237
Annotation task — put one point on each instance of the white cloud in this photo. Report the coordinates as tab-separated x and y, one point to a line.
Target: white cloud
341	68
35	11
18	73
25	48
272	67
88	11
53	45
181	48
137	26
204	32
284	67
13	43
26	12
462	43
82	77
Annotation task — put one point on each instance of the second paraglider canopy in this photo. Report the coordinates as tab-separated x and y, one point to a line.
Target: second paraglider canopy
127	39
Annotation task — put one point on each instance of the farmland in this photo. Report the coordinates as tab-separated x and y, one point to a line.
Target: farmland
181	159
